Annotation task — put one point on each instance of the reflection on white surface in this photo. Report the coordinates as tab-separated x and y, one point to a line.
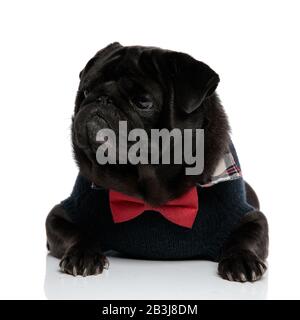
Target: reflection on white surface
141	279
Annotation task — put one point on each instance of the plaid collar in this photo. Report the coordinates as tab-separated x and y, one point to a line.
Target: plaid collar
226	170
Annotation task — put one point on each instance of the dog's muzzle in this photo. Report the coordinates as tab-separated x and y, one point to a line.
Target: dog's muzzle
88	122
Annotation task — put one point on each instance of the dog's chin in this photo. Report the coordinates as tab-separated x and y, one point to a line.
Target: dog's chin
107	177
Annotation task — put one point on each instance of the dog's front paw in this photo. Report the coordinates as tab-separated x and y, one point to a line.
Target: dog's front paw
80	260
243	266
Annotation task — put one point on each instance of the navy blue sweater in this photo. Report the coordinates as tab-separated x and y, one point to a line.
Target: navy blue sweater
150	235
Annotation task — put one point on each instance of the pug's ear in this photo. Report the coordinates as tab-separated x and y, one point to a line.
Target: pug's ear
193	81
103	53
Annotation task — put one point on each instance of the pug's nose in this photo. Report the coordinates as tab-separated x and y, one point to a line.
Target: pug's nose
96	123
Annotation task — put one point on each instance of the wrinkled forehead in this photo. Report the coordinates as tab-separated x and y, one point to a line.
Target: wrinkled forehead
124	62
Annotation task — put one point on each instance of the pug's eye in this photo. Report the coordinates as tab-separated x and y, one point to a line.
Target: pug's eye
143	102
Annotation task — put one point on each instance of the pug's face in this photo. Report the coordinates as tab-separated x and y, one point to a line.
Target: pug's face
148	88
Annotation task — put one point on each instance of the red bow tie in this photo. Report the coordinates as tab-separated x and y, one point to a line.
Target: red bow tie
181	211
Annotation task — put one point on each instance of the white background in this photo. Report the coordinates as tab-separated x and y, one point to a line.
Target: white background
253	46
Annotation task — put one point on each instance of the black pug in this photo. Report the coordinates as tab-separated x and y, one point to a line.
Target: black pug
154	88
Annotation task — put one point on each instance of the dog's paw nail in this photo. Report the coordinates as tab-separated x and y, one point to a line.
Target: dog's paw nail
106	264
74	271
243	277
229	276
97	271
262	268
253	276
62	265
84	274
